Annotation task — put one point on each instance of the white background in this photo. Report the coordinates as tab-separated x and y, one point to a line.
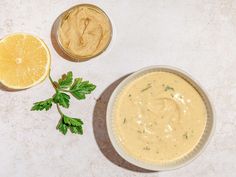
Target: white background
198	36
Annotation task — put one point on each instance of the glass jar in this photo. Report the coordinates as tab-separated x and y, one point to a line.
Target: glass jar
83	32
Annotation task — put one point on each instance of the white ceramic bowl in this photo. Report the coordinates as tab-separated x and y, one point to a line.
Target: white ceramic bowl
210	124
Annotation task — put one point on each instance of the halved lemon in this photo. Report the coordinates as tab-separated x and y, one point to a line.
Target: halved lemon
24	61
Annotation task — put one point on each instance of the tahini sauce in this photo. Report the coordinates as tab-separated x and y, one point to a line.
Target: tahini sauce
159	117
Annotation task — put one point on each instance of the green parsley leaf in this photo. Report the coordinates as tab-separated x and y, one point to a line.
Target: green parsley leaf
65	84
73	124
62	99
42	105
80	88
62	127
72	121
66	80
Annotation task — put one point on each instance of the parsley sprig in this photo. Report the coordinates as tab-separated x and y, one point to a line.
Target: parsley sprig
65	86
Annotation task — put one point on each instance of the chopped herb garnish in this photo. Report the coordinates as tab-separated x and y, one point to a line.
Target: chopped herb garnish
146	88
146	148
124	121
169	88
172	95
130	95
185	135
139	131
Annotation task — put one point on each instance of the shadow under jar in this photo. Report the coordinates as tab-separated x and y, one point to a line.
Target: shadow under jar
83	32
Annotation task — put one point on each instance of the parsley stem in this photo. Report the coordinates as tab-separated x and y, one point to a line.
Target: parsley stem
55	87
59	110
63	90
52	82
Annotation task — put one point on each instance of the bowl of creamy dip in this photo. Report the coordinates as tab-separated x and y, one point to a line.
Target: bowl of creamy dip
83	32
159	118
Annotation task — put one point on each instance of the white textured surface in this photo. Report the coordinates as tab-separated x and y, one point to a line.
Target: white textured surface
198	36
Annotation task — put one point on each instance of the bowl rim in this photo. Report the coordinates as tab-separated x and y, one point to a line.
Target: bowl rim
129	79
